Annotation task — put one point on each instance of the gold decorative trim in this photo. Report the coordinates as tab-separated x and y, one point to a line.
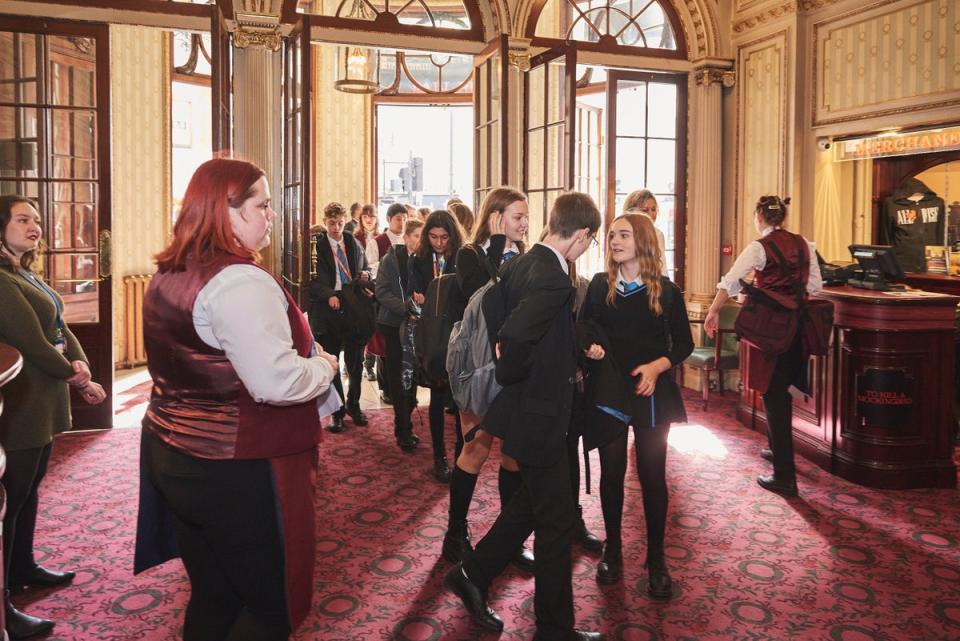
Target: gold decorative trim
708	76
243	38
772	13
518	53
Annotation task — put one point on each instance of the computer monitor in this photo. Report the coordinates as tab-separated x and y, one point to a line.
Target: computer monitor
879	266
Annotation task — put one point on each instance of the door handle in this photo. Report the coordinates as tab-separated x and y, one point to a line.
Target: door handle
106	254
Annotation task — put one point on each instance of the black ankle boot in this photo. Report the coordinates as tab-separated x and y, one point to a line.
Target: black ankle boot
610	568
20	625
587	539
660	585
456	542
441	469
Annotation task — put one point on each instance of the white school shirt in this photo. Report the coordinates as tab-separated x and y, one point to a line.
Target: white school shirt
754	258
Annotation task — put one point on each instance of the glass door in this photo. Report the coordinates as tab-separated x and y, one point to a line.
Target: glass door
490	75
295	263
646	129
549	112
55	149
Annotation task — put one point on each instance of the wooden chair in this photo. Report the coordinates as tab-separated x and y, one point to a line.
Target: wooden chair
719	354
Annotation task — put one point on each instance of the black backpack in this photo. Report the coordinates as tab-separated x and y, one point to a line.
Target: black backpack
432	332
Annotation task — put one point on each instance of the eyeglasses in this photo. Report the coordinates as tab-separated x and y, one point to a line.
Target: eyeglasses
594	242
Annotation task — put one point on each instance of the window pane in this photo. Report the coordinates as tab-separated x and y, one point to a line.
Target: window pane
555	156
18	67
631	108
535	152
72	71
663	110
630	164
556	92
535	200
535	97
661	165
74	143
74	276
21	188
18	142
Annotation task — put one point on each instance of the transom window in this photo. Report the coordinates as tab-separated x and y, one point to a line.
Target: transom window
629	23
449	14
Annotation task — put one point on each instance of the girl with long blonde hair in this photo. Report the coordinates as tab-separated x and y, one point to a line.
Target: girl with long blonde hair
636	325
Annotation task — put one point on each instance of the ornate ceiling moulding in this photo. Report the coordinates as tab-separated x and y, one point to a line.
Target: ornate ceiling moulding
256	23
518	53
771	14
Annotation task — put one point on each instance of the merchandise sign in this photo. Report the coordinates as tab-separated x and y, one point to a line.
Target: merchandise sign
916	142
884	397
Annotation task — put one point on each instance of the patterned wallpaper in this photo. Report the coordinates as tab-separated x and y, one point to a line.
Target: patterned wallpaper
888	59
141	164
343	136
763	127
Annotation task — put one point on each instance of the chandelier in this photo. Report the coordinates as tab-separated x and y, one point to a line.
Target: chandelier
358	68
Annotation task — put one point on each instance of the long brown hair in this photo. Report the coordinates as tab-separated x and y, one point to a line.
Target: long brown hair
440	219
203	230
651	262
496	201
6	215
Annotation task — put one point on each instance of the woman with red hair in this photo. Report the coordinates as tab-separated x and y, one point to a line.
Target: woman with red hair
229	444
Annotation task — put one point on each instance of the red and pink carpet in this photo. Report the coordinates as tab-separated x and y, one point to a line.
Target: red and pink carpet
842	562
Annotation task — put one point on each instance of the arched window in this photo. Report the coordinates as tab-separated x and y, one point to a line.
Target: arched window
459	18
415	73
610	25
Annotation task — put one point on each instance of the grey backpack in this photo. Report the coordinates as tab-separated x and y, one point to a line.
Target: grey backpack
470	362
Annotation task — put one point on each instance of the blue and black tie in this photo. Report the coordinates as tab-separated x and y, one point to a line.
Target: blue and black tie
507	255
341	265
628	289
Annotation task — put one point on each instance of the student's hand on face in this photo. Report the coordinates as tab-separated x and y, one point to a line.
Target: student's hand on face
595	352
648	374
496	223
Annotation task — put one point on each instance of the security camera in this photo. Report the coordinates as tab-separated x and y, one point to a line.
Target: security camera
823	144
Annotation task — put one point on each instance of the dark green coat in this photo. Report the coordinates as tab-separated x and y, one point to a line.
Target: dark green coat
37	401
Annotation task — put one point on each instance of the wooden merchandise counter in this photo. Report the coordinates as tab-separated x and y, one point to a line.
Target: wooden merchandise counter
880	412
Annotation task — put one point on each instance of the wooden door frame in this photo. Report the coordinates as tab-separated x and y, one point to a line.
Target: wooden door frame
680	162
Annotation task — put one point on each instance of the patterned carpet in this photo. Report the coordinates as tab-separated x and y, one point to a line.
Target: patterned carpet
842	562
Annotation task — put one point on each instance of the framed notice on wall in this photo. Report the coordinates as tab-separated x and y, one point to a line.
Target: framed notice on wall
885	397
181	123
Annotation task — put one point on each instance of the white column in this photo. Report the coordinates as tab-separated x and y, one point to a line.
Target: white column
704	184
258	124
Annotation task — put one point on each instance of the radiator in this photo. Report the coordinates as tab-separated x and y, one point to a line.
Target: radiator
134	287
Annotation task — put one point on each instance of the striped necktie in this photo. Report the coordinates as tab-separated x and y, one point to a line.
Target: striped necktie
342	265
626	289
507	255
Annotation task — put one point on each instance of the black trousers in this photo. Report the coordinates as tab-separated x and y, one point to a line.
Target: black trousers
779	408
25	471
403	400
227	522
650	446
353	359
439	400
544	505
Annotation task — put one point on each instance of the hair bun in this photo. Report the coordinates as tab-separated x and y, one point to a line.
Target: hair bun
786	201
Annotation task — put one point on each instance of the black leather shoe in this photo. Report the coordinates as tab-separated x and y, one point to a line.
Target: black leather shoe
766	455
20	625
41	577
474	599
610	568
358	417
336	424
587	539
583	635
407	443
783	487
456	542
659	584
441	469
524	559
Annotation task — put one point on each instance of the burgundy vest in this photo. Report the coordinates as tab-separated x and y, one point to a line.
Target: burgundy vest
198	404
797	254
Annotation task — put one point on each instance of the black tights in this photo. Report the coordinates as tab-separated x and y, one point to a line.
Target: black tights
25	471
438	405
651	451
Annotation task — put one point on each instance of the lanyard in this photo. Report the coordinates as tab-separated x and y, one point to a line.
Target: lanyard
438	264
60	341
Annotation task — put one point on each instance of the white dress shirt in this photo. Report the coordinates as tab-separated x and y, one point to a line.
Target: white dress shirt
336	265
243	312
511	247
754	258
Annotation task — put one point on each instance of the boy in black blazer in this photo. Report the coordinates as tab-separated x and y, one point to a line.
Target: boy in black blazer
537	366
340	262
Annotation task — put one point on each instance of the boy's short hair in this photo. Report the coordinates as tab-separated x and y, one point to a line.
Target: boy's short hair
572	211
396	209
411	226
334	210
